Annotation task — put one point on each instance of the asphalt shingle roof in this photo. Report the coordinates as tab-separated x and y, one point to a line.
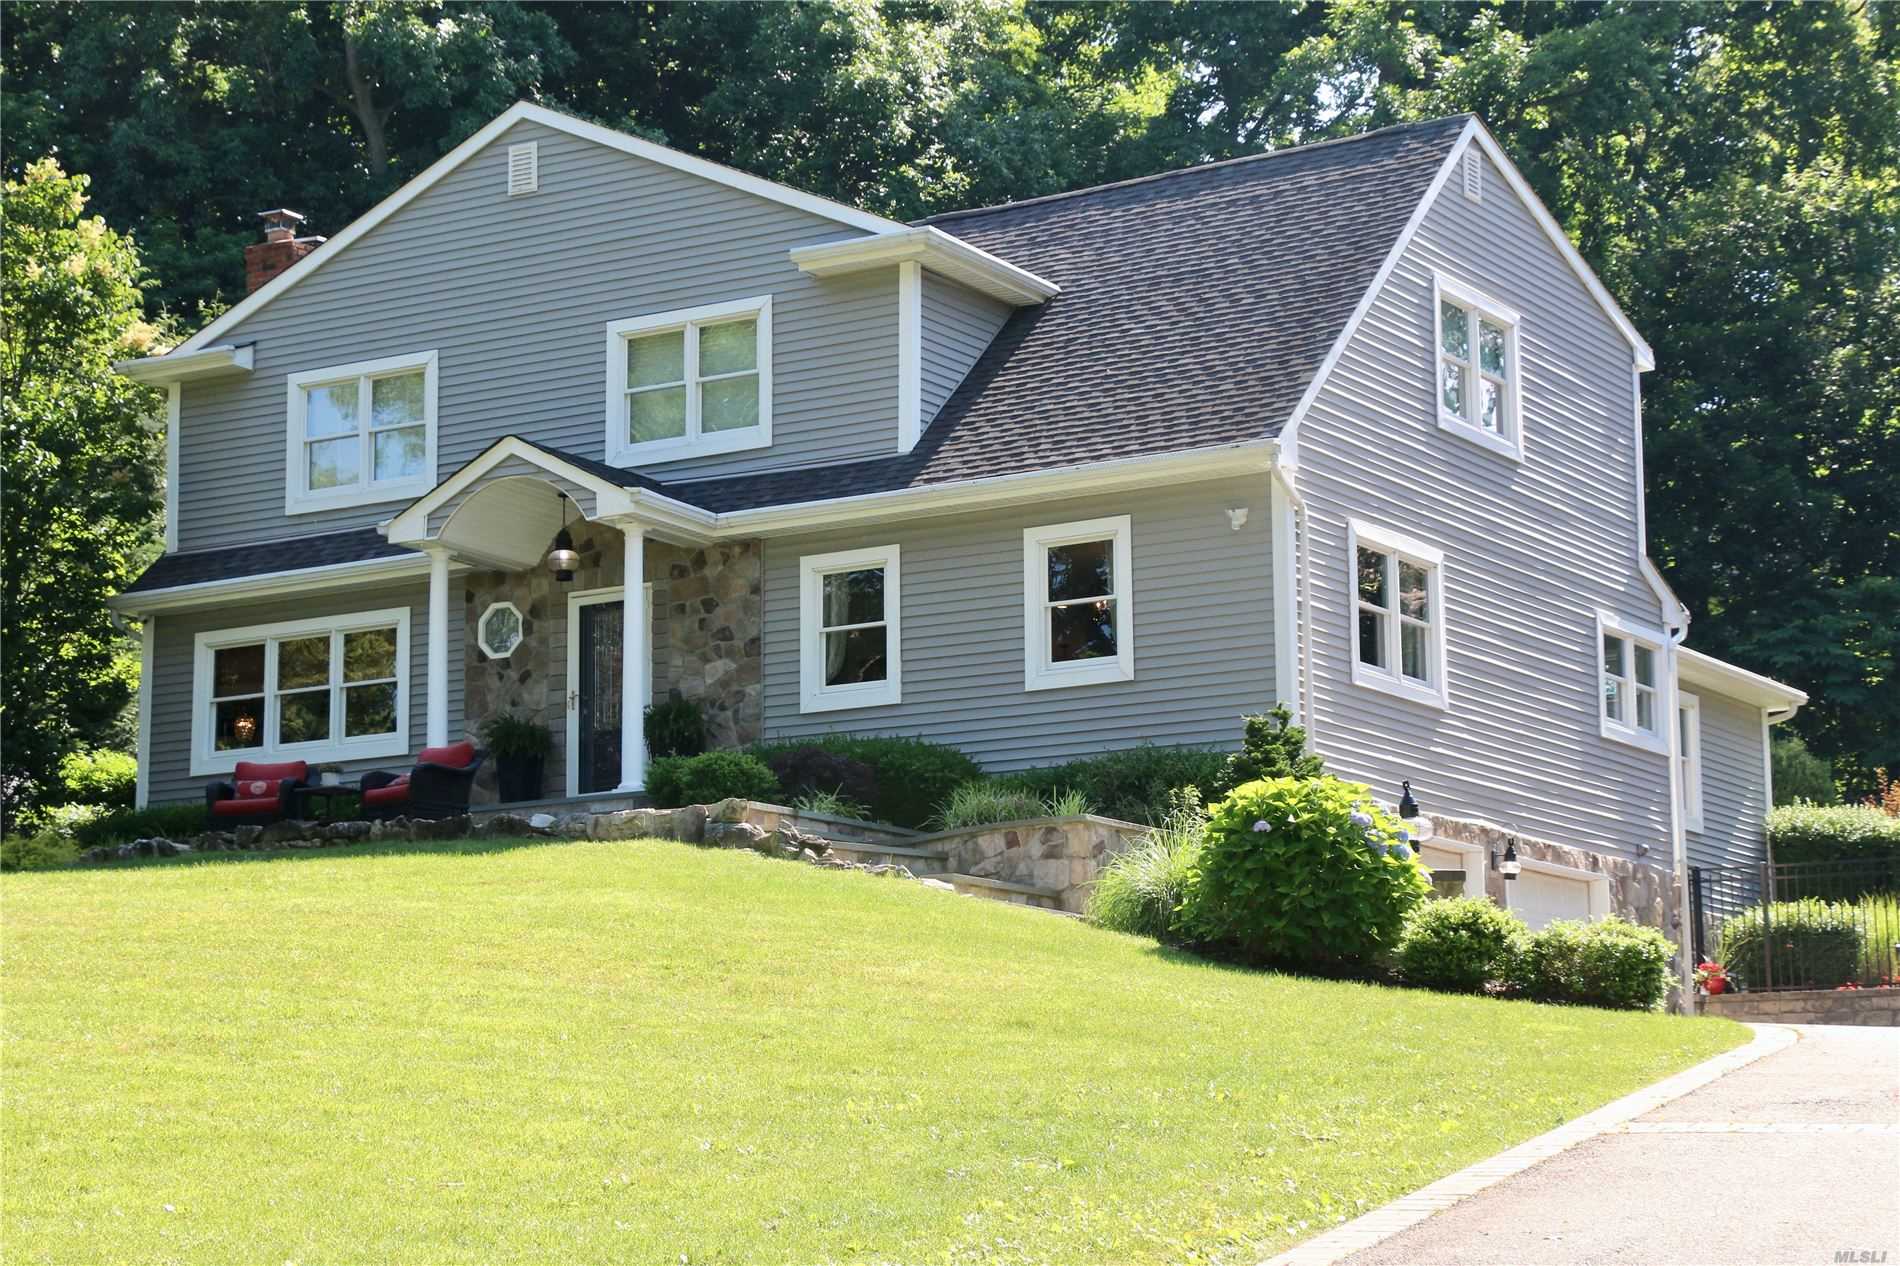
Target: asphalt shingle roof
204	565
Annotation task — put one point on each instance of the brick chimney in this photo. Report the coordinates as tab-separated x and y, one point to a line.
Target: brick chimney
280	248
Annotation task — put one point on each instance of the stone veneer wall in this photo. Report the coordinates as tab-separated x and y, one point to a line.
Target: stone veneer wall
1879	1008
1640	892
707	609
1063	855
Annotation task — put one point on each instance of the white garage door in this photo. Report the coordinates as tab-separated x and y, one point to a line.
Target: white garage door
1440	858
1539	897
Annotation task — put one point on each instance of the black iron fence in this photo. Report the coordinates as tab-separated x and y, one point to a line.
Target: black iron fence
1804	925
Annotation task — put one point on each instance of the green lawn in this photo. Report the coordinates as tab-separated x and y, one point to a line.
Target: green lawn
646	1052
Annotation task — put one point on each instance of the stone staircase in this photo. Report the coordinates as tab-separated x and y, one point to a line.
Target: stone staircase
918	861
933	869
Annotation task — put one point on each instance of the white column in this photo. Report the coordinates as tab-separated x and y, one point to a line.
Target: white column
438	647
636	663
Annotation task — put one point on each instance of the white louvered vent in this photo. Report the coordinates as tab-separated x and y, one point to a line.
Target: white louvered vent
1474	175
524	168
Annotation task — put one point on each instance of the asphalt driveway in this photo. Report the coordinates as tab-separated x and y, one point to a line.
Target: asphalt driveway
1793	1160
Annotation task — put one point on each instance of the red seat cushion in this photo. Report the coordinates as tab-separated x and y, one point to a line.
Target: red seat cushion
246	807
395	793
455	755
248	770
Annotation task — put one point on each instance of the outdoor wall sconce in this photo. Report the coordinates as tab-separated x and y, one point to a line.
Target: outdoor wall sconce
1508	867
562	560
1237	517
1418	826
1408	807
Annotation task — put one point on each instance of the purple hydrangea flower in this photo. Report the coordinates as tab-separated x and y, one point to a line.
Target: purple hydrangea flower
1263	825
1360	819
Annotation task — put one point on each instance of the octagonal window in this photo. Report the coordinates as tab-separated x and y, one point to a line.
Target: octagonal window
499	630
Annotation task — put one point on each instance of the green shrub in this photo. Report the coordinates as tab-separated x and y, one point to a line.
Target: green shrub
509	737
1600	963
1461	944
709	777
1135	784
121	826
1810	944
913	776
1271	746
676	727
1833	833
983	802
1880	943
1799	774
819	771
830	804
102	777
1305	871
1141	889
39	851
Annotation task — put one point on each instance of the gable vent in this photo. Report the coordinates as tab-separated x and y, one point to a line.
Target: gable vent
524	168
1474	175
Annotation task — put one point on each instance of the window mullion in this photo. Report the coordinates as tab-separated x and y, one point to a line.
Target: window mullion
690	353
365	472
1393	640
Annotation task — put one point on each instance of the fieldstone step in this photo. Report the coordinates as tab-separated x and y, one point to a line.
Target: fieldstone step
918	861
1003	890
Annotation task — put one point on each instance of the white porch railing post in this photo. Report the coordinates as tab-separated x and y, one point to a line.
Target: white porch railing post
438	647
635	665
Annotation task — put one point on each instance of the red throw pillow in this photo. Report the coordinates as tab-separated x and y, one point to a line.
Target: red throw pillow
254	787
455	755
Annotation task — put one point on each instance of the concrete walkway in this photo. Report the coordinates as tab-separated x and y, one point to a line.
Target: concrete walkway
1792	1159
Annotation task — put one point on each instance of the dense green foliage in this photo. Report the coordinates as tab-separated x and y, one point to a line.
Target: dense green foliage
1461	944
913	777
509	737
1136	784
103	777
811	771
675	727
1833	833
1799	774
1271	746
1600	963
984	802
708	778
1306	872
1141	889
80	462
1806	944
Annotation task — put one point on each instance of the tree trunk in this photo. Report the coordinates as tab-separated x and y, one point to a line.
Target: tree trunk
363	102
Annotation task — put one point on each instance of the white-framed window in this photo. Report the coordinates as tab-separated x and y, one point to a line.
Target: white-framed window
1078	603
1478	374
360	434
691	382
1630	672
500	630
849	630
1689	758
329	688
1398	614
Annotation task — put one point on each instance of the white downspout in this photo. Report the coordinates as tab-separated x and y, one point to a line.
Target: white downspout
1290	517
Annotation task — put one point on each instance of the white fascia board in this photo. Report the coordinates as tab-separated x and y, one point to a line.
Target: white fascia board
175	367
410	526
731	177
272	584
1726	679
936	250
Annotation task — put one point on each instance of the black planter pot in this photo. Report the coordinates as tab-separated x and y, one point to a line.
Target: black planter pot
519	778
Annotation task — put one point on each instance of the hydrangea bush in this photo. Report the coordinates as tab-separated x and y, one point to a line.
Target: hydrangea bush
1303	871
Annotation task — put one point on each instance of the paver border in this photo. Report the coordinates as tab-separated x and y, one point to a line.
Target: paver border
1408	1211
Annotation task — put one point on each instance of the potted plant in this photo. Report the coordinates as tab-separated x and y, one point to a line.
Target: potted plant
1713	977
329	775
520	748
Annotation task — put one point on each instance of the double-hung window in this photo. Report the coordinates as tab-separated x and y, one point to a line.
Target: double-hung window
323	689
1689	758
851	642
1630	668
1478	375
692	382
361	434
1398	621
1078	610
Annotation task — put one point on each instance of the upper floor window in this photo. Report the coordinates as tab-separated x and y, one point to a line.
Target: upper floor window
688	383
361	434
1478	378
1078	610
1398	626
849	629
1630	668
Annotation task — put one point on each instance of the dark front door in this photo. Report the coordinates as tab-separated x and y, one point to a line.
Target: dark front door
602	628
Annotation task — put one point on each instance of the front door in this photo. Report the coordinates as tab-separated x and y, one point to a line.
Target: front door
596	635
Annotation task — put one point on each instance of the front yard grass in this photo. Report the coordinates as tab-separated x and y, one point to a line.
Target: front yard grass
647	1052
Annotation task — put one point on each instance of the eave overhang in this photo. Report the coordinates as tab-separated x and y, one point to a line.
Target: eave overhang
937	251
210	362
1693	668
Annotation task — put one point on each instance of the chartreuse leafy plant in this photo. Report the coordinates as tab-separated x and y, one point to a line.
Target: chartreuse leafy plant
1462	944
1303	871
1600	963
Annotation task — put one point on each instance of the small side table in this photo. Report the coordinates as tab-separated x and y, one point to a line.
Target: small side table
326	804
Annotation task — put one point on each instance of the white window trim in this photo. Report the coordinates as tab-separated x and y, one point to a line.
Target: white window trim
1039	671
1436	693
205	761
1628	731
298	499
620	452
481	630
1689	709
813	694
1598	884
1511	443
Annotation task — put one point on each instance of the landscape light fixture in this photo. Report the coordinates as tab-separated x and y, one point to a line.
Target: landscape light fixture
1408	807
1509	867
562	560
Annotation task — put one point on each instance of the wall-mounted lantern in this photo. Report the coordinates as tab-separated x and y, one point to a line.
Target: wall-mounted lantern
1508	866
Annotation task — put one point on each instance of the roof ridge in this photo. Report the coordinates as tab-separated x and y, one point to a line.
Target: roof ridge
1194	169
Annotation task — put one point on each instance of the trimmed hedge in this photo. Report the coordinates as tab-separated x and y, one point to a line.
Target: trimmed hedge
1811	945
913	776
1833	833
1462	944
711	776
1605	963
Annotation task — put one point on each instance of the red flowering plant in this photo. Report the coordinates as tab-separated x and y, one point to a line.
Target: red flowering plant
1712	977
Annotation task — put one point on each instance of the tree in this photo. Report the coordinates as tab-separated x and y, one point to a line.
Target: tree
80	453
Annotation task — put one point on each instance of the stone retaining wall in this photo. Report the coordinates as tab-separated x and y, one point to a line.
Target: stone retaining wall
1876	1007
1639	891
1063	855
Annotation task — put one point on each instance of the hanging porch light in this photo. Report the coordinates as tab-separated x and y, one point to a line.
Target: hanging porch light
1509	866
562	558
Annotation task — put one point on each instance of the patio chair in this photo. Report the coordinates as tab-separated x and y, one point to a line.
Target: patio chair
438	786
256	795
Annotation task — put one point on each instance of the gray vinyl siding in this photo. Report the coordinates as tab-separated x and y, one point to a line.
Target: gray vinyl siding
1203	624
1532	551
958	323
1734	796
514	295
173	653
